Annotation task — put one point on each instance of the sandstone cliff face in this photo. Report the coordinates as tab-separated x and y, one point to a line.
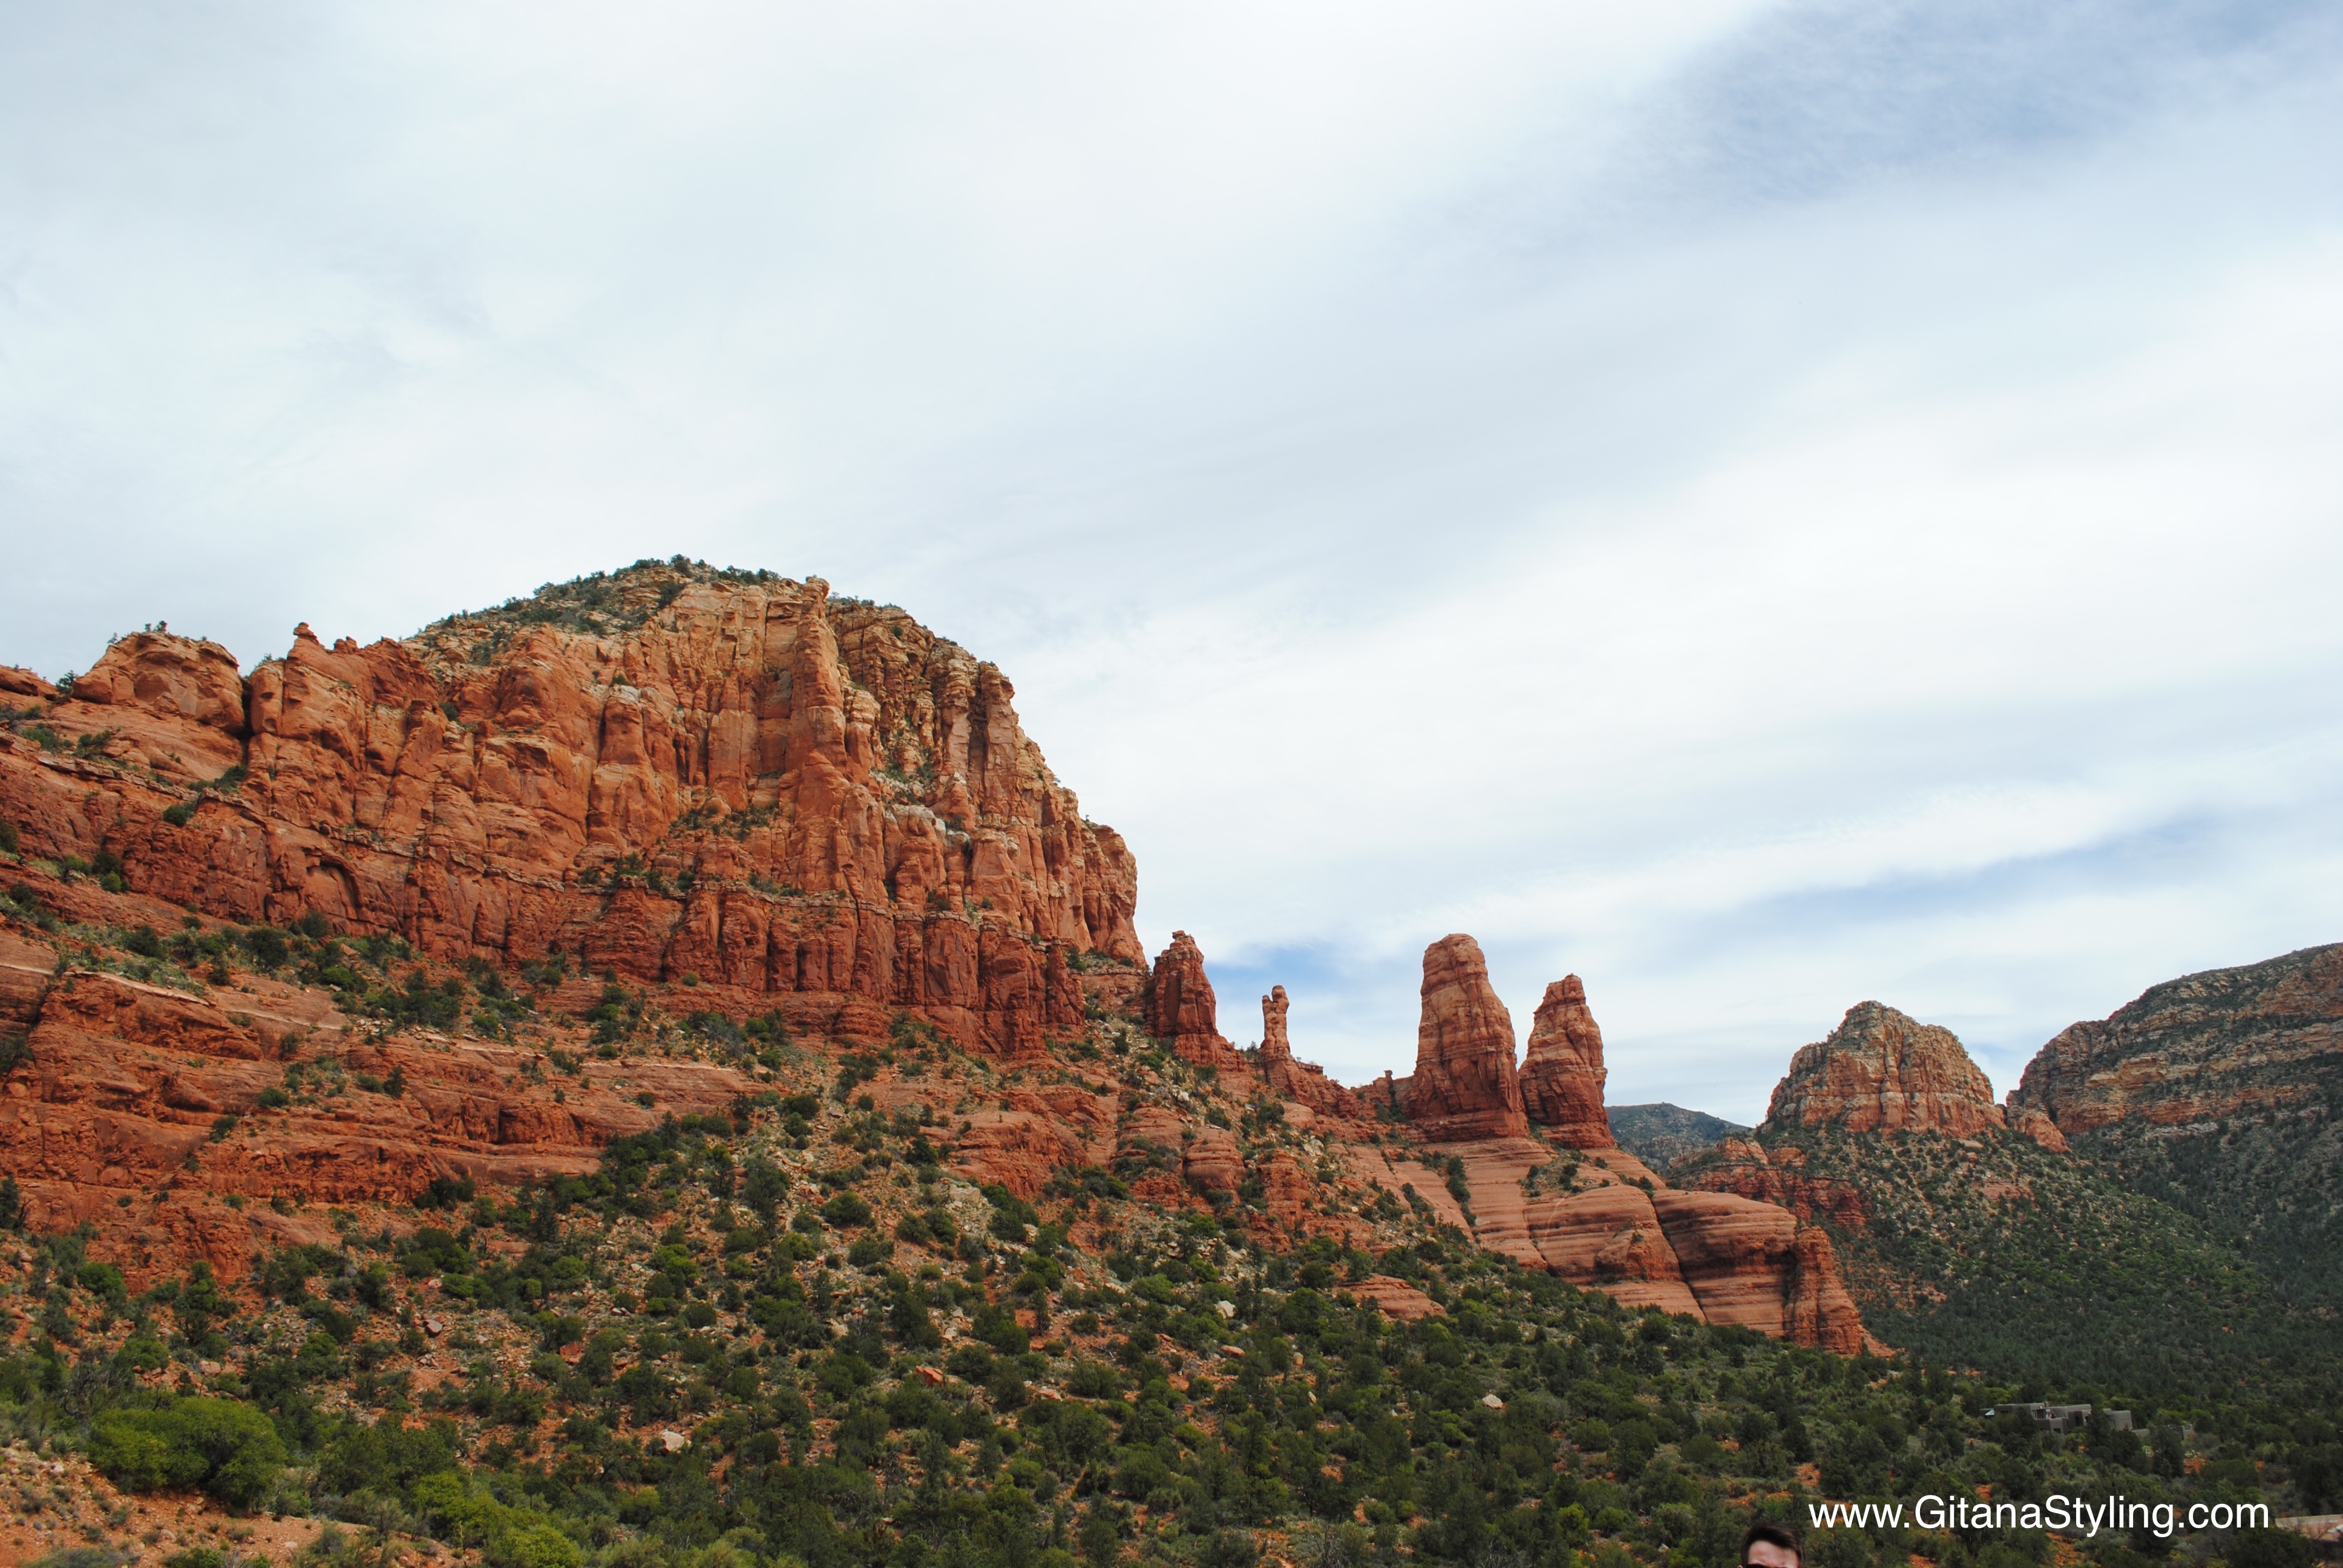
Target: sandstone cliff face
1562	1075
1180	1008
730	777
1615	1227
1463	1086
1300	1082
1882	1071
2244	1043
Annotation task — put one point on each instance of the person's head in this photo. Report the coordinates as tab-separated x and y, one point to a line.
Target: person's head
1769	1546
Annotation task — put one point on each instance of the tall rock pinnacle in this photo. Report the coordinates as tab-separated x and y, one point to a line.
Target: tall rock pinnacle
1562	1076
1464	1085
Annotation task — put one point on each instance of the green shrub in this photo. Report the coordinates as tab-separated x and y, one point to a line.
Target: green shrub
228	1450
179	815
846	1210
9	840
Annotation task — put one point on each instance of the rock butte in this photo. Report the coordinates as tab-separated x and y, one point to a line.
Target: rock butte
1562	1075
1180	1007
1882	1071
822	803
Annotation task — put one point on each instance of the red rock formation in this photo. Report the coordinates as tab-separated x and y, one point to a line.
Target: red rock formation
1210	1162
2243	1043
1562	1075
1819	1310
1882	1071
1180	1008
2036	1124
1752	1263
1463	1086
1740	1166
1302	1082
733	778
1031	1136
1395	1298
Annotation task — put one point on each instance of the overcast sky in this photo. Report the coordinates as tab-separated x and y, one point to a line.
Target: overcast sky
1763	506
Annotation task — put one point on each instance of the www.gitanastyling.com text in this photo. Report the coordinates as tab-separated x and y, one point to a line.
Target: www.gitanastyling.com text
2057	1511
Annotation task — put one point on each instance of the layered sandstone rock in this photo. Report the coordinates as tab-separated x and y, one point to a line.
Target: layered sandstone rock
1778	1176
1180	1008
1562	1076
1463	1086
1881	1071
1211	1163
2241	1044
664	772
144	1092
1396	1298
1302	1082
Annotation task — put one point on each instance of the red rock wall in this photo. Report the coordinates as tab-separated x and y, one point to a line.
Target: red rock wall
1463	1086
757	786
1562	1076
1883	1071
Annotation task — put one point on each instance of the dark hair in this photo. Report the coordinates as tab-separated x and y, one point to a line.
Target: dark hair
1780	1535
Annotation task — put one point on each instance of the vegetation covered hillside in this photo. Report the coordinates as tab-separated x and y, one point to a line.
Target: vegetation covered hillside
791	1335
1996	1253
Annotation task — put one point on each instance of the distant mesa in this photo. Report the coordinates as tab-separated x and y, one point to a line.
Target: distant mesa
2252	1043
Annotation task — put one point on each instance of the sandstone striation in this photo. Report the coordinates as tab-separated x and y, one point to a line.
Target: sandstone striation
1302	1082
1562	1076
664	772
1881	1071
1463	1086
1180	1008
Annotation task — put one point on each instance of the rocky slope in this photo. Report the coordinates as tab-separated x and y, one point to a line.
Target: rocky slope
1987	1239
